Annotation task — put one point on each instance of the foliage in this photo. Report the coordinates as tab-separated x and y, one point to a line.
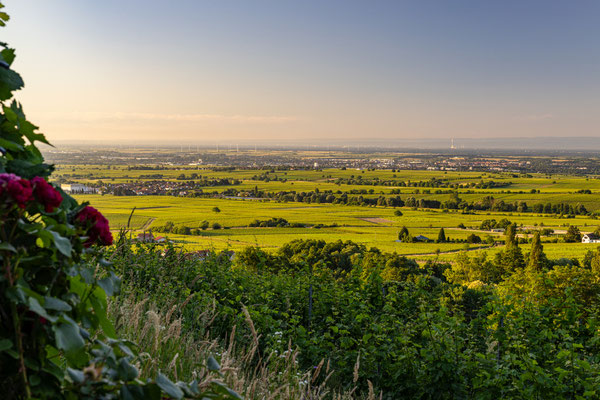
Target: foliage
511	256
537	259
404	236
441	236
573	235
415	337
473	238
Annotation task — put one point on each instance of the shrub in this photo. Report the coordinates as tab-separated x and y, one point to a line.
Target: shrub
473	238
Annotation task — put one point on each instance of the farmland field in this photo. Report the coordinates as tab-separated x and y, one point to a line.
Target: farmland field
373	226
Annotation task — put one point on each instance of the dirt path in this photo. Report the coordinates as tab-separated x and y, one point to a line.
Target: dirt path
377	221
147	224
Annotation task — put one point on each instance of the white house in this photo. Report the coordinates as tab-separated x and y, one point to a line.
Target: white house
77	188
590	238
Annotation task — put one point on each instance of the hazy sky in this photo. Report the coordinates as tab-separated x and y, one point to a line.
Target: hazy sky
191	70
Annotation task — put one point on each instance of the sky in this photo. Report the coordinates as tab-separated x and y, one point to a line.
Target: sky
205	71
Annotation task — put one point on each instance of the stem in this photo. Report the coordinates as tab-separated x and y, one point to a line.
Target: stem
14	312
19	335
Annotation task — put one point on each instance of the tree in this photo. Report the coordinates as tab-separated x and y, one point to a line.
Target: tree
216	209
537	259
511	257
398	213
473	238
404	236
441	236
466	270
573	235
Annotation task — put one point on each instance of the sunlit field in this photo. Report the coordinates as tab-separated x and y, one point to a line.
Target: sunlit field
371	226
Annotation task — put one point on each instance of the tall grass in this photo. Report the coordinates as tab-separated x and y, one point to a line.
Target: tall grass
164	347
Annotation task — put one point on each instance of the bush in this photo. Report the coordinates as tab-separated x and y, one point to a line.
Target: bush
473	238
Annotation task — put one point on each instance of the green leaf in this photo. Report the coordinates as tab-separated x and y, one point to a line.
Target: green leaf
168	387
9	81
36	307
212	364
76	375
10	145
126	371
8	55
99	306
7	247
228	393
110	284
5	344
68	337
62	243
10	115
52	303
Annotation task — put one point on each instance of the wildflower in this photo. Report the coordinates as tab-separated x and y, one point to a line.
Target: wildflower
98	230
49	197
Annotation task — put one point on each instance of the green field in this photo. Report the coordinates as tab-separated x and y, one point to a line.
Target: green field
371	226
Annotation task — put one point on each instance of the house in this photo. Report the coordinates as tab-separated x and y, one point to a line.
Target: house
145	237
590	238
77	188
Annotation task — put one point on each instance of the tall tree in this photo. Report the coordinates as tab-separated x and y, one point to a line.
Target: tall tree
573	235
403	236
441	236
537	258
512	257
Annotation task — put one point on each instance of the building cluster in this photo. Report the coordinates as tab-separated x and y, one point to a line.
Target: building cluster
77	188
153	188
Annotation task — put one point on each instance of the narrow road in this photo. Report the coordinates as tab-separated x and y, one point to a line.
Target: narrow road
146	224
